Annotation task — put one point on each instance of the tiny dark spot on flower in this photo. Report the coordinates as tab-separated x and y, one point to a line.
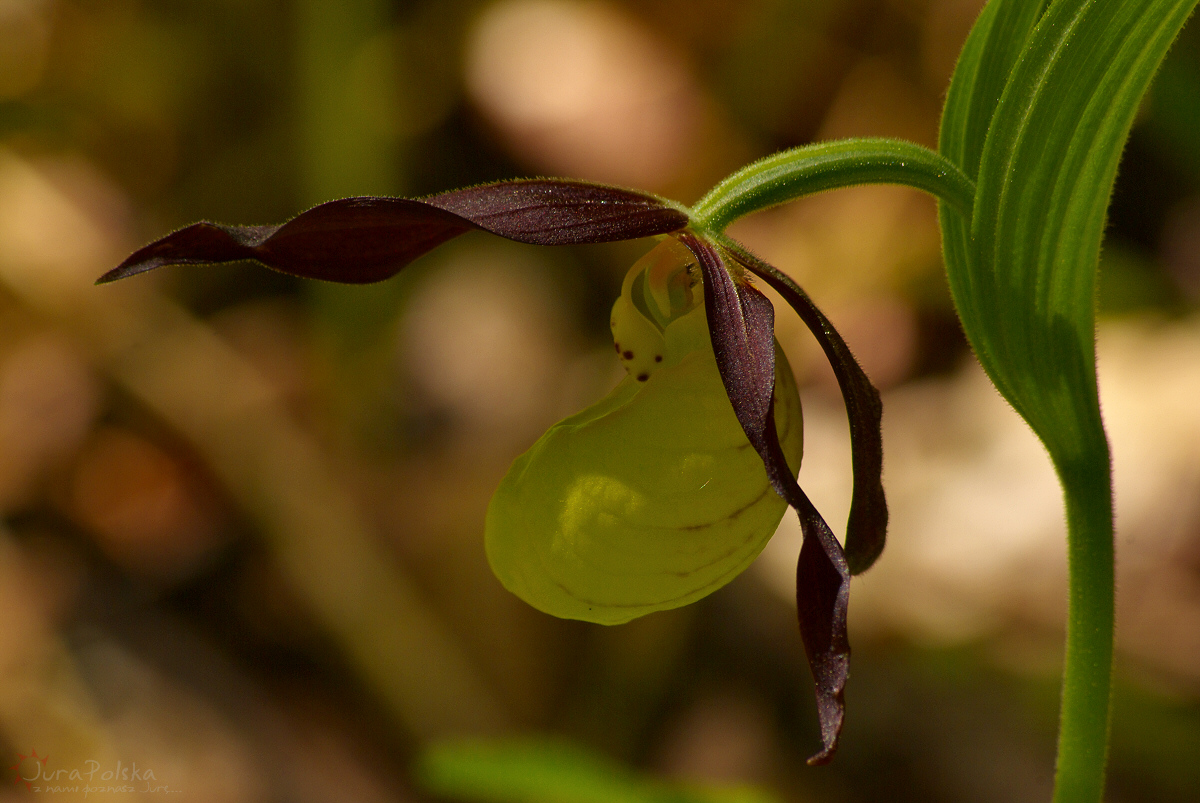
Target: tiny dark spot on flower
627	355
643	377
617	346
658	358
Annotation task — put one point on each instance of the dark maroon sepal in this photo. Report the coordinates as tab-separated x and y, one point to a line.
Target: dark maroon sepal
561	212
361	240
741	322
866	529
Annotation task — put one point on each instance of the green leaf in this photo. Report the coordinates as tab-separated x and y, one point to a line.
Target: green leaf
1025	283
1023	275
534	770
987	58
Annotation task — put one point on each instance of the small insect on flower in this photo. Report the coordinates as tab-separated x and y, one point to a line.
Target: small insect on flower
667	488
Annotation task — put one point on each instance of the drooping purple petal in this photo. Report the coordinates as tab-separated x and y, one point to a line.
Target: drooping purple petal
866	529
822	601
361	240
741	323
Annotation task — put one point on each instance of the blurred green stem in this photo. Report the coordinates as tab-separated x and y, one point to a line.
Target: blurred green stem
342	149
1087	674
413	660
345	84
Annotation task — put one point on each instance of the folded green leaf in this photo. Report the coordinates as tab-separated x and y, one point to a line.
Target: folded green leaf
1038	111
1025	283
984	65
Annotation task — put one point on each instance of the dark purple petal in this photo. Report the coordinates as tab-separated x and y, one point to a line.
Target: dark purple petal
741	323
866	529
822	601
360	240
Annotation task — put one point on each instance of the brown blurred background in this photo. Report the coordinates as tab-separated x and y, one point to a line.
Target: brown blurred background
242	514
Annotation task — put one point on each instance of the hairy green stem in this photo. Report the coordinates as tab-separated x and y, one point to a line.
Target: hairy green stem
1087	674
790	174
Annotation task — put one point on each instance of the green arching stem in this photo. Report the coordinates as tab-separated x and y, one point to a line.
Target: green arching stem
793	173
1087	673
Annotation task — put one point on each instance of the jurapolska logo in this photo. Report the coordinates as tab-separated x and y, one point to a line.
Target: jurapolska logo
33	771
19	768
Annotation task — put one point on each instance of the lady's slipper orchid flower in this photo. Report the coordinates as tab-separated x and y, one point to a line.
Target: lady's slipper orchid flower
651	498
668	487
